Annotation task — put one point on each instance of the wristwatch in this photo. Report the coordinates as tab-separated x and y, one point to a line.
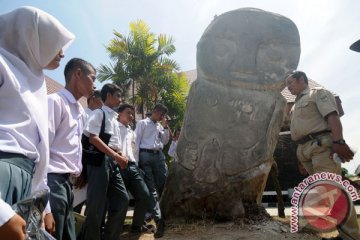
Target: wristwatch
340	141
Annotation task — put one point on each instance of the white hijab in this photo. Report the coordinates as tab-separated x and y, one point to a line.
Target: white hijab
30	39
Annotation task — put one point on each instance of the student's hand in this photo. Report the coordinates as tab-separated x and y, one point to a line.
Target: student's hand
81	180
15	229
121	160
49	223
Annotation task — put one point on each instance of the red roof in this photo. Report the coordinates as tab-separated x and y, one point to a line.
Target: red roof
291	98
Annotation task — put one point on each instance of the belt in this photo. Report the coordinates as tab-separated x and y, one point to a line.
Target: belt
311	137
153	151
68	176
18	160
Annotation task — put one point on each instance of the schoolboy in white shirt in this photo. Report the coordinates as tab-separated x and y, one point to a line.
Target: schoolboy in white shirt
132	175
175	138
80	189
105	185
152	134
66	120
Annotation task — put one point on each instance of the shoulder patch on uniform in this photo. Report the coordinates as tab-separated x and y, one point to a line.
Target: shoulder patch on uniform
324	98
320	92
315	89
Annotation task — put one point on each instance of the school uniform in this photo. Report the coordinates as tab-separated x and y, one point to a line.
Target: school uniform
24	149
172	148
66	120
133	178
150	140
80	193
88	112
105	185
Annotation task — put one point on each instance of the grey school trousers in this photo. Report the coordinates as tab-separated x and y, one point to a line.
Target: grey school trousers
155	169
61	202
105	188
135	183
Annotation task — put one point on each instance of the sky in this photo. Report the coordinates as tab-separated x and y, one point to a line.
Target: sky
327	28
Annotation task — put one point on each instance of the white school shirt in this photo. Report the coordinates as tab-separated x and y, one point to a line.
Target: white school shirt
127	139
93	125
18	131
88	112
66	122
6	212
172	148
150	135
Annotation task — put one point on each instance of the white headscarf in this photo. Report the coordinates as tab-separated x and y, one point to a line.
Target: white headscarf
29	40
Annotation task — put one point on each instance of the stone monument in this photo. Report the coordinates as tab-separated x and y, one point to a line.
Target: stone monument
233	116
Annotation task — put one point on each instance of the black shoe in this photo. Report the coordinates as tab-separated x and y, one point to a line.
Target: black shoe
160	229
333	238
135	229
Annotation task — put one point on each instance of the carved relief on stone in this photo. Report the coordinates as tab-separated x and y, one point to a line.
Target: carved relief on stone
234	112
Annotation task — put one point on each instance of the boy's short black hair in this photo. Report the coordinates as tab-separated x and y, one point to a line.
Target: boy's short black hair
125	106
160	108
74	64
96	94
109	88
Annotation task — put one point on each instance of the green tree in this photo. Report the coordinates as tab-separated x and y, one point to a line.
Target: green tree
174	96
140	60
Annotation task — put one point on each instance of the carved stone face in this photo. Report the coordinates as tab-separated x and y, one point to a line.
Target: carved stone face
229	120
234	114
248	46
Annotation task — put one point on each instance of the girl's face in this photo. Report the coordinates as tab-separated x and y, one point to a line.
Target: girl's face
55	63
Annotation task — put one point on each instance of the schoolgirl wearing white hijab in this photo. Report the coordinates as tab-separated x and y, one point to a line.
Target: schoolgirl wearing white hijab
31	40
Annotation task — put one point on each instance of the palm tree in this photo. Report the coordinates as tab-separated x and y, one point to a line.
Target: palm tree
143	57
